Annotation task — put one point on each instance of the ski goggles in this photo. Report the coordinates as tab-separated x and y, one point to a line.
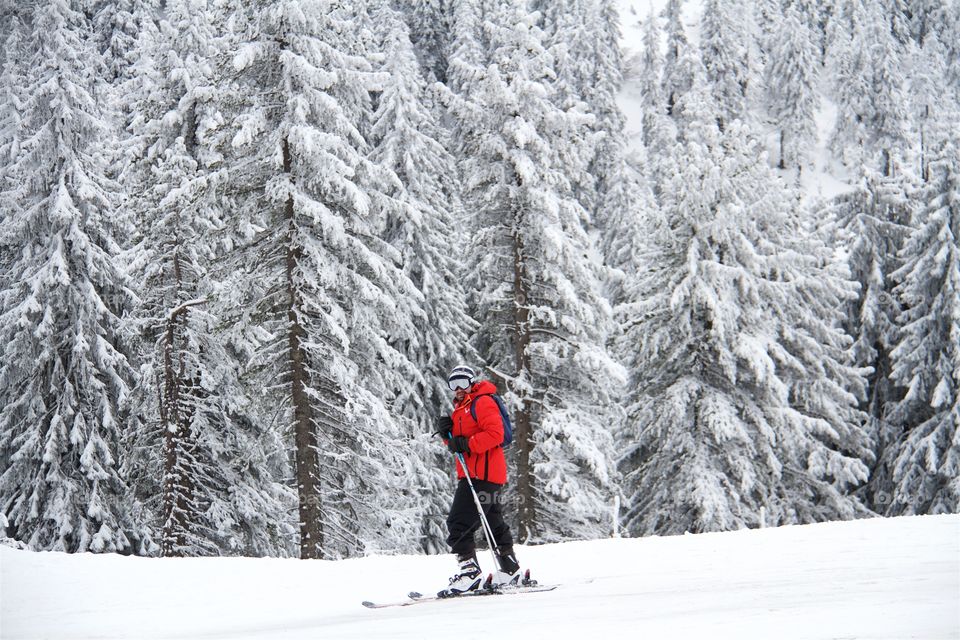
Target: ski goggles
458	383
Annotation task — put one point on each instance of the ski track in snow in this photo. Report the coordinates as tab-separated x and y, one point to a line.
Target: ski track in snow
882	578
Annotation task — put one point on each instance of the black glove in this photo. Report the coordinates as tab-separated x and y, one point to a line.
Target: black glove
444	426
459	444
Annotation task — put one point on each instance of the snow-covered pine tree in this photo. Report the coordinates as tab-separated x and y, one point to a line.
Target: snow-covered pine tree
429	22
931	98
219	495
425	225
124	26
577	40
536	284
873	124
951	40
815	16
742	396
848	64
792	77
889	124
65	376
323	285
125	30
928	17
726	49
11	105
657	133
871	225
609	166
925	461
467	50
676	74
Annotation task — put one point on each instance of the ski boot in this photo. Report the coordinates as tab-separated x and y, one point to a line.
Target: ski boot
467	579
509	573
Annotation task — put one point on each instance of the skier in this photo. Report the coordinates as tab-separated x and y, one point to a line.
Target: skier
479	439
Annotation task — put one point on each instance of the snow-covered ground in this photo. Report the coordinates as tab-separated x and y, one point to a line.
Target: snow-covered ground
882	578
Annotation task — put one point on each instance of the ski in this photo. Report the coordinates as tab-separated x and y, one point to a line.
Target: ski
415	597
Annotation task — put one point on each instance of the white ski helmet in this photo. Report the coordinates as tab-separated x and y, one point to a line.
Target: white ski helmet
461	377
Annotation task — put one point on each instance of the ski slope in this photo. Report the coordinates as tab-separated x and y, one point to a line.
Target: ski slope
881	578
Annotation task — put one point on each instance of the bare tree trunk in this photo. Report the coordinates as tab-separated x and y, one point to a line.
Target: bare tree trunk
305	439
176	414
176	410
783	159
176	485
522	433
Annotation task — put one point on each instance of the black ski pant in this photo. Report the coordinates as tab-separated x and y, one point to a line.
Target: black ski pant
463	521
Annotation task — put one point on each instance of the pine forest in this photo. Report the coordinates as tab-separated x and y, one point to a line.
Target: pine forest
708	251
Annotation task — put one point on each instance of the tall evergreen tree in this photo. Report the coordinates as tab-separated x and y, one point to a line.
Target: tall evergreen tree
873	222
676	73
407	140
467	51
726	53
535	276
325	288
65	376
575	37
219	495
873	125
792	90
931	108
890	122
656	132
925	463
430	25
743	398
849	65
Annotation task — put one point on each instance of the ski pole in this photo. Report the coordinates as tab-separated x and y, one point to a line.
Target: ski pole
487	531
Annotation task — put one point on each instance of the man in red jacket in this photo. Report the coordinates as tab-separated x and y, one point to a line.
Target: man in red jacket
479	440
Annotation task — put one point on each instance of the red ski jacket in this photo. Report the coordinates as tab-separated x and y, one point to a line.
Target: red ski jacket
485	460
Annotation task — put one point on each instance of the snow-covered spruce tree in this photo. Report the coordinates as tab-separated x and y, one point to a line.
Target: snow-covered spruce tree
219	495
429	22
742	400
677	76
726	53
815	16
467	50
932	99
657	129
324	287
925	461
125	31
64	377
423	227
871	225
889	126
951	39
536	285
622	192
11	104
123	27
928	17
848	66
873	124
575	37
614	178
792	90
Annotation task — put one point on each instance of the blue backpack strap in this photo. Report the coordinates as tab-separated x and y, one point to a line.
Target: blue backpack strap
473	404
504	418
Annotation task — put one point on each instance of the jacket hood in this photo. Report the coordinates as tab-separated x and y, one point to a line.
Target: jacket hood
482	387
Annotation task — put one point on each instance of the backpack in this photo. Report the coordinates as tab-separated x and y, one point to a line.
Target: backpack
507	426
